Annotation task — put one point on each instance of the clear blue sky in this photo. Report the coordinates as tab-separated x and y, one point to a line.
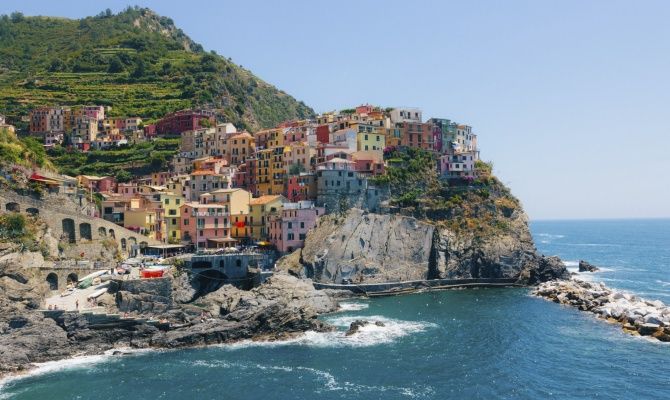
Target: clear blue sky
570	99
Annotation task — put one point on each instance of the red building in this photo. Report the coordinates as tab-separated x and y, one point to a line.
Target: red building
416	134
323	133
185	120
301	187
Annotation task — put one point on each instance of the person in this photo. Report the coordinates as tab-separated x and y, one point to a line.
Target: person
51	307
76	304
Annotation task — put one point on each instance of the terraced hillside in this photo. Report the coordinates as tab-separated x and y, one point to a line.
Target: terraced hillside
135	61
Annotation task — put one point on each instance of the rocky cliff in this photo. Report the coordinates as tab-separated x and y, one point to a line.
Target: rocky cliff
162	314
479	236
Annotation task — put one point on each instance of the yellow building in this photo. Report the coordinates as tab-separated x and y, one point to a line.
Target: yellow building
260	210
171	203
370	141
235	200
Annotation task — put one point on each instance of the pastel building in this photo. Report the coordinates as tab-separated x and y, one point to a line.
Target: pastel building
260	211
204	225
288	230
301	187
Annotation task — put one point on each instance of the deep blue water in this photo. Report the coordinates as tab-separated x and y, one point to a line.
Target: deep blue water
486	343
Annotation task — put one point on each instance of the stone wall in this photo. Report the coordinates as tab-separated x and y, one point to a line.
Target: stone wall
73	228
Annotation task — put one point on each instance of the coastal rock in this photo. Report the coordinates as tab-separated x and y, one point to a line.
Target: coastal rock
587	267
637	316
355	326
364	247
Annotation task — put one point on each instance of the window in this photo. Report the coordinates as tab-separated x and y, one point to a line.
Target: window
167	201
302	225
301	236
177	201
186	222
290	225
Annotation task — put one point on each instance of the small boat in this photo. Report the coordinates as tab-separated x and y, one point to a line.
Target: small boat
97	293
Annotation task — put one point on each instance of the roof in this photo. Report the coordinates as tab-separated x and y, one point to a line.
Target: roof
195	204
242	135
204	172
338	160
264	199
231	190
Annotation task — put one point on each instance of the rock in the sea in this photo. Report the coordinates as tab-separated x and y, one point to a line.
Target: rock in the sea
356	326
585	266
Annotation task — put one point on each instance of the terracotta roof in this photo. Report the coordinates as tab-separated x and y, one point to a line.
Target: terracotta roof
204	172
264	199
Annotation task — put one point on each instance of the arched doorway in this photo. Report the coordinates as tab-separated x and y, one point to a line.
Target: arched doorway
209	281
123	243
72	279
102	232
112	234
13	207
52	280
85	231
68	230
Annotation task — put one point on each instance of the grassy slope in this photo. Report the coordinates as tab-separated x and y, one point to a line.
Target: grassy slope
137	62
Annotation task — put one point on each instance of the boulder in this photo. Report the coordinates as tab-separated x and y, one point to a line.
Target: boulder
585	266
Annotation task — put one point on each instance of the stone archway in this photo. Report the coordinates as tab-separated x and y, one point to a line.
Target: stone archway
124	243
72	279
85	231
52	280
102	232
209	281
13	207
69	230
112	234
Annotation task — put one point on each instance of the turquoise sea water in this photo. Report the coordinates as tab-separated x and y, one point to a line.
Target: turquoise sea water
471	344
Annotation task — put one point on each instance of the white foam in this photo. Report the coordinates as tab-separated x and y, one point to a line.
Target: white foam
344	307
76	362
368	335
569	264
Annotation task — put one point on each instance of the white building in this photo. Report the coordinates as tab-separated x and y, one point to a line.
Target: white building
398	115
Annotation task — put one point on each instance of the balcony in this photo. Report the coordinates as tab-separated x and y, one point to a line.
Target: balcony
209	214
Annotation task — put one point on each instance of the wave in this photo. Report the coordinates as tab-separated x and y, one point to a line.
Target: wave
569	264
550	235
368	335
328	381
76	362
344	307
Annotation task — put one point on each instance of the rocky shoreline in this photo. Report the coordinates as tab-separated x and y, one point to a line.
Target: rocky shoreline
143	317
636	315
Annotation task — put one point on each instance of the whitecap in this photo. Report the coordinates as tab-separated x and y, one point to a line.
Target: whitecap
344	307
368	335
569	264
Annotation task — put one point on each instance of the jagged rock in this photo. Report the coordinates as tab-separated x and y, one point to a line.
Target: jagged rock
587	267
355	326
637	316
368	248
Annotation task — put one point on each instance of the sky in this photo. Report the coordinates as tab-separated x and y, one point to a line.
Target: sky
570	99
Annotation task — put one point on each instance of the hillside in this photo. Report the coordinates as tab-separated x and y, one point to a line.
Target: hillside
135	61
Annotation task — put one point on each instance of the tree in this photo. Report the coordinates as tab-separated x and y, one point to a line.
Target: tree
16	16
140	69
123	176
295	169
115	66
57	65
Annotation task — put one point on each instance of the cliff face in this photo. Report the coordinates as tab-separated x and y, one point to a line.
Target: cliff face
369	248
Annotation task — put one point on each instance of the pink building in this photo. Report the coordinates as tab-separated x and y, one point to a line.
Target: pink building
128	189
204	225
288	231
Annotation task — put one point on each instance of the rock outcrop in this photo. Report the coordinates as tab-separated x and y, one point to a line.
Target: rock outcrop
635	314
163	314
585	266
369	248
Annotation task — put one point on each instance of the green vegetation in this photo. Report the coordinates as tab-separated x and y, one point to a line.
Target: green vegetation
123	162
411	177
482	206
137	62
26	152
19	229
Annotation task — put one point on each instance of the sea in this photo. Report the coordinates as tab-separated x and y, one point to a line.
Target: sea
456	344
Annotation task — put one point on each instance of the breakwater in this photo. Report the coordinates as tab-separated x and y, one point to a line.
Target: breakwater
636	315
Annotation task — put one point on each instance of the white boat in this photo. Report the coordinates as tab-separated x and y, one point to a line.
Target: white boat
97	293
93	275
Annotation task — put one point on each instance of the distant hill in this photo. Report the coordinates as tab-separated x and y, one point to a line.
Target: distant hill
137	62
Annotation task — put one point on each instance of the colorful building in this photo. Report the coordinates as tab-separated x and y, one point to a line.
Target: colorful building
185	120
260	211
204	224
288	230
